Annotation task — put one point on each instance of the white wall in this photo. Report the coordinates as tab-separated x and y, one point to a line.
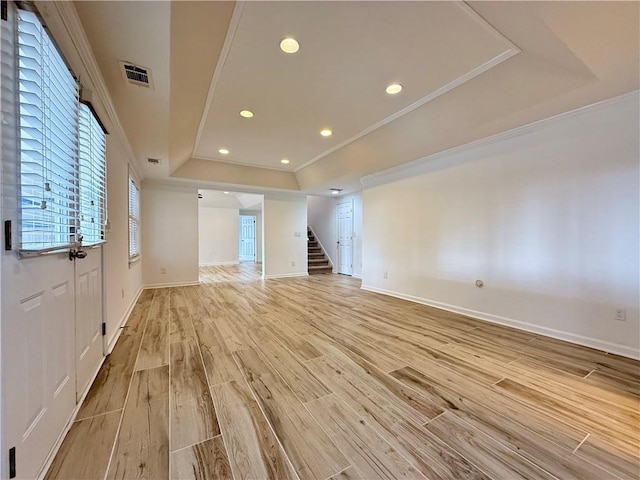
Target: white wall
284	218
323	219
218	235
123	282
169	234
548	219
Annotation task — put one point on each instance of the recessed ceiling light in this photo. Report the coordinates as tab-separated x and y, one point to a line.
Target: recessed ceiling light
223	151
226	193
326	132
394	88
246	113
289	45
284	160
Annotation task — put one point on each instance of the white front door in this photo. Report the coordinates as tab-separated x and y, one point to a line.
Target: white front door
247	238
345	237
88	317
38	355
52	347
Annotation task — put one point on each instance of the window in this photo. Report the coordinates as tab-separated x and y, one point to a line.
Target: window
92	169
134	220
48	135
62	149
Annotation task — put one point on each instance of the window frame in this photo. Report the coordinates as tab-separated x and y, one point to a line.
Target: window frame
134	219
58	163
97	188
44	141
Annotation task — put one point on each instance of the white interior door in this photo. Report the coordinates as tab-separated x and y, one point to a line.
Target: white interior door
247	238
88	317
345	237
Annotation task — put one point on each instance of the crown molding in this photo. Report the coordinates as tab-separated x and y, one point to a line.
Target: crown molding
442	159
63	14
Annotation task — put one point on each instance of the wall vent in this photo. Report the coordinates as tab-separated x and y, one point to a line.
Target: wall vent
136	75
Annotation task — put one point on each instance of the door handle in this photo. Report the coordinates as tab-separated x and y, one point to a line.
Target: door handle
73	254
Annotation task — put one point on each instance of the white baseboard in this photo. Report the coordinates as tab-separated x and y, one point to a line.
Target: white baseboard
170	284
357	276
603	345
218	264
287	275
123	320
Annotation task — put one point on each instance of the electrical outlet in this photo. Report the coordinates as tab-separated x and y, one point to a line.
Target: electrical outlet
386	274
293	263
122	292
621	314
163	271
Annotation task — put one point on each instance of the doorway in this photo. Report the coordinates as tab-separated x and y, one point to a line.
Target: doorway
247	238
345	237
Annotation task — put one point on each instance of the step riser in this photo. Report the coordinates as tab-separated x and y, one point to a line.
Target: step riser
319	270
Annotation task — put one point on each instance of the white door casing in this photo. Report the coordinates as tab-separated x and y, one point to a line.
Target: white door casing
247	238
345	237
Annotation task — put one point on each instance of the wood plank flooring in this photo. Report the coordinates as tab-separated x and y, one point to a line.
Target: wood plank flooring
313	378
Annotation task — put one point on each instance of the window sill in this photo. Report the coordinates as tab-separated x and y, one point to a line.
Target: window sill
134	260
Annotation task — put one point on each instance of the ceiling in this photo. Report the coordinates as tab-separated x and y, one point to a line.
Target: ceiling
469	70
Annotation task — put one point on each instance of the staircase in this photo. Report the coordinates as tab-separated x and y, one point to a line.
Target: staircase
317	261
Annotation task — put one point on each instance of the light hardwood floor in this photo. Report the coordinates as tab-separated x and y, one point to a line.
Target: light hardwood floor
313	378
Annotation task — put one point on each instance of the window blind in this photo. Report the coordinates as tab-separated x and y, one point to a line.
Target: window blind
48	135
92	177
134	219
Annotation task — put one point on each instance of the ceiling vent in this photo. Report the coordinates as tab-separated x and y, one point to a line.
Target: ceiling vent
155	161
136	75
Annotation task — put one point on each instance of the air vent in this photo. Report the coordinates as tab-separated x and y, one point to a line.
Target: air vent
155	161
136	75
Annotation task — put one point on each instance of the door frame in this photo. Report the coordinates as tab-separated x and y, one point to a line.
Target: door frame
351	204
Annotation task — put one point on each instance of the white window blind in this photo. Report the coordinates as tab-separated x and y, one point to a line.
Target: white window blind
48	111
93	170
134	219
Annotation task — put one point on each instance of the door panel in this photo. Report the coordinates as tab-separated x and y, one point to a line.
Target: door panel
88	305
345	237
